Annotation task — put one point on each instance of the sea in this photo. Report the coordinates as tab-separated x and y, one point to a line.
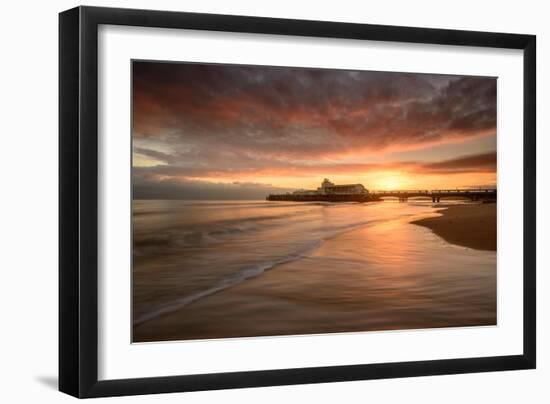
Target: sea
186	252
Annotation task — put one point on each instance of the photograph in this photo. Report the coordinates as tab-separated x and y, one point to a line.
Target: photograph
273	201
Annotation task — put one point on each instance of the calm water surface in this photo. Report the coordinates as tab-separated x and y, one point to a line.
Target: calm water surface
352	256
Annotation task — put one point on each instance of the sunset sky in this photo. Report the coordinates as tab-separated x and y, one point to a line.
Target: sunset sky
230	131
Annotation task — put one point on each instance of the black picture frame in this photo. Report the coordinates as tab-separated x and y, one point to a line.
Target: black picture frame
78	201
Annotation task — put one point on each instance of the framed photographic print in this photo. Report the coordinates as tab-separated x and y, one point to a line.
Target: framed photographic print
250	201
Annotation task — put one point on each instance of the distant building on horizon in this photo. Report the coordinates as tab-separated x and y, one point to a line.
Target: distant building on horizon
329	188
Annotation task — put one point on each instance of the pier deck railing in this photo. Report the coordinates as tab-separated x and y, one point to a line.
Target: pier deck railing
436	194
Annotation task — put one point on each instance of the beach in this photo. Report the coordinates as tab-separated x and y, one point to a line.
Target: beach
470	225
314	269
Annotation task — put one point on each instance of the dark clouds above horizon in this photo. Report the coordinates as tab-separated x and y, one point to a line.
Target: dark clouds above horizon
230	123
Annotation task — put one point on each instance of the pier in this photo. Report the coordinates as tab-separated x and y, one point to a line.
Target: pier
436	194
329	192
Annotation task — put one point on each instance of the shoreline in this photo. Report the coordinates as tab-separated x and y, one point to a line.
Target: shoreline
356	282
473	226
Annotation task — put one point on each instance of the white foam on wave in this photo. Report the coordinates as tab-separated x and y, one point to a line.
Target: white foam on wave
248	273
228	282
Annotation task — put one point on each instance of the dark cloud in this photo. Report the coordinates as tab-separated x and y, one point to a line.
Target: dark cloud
298	110
486	162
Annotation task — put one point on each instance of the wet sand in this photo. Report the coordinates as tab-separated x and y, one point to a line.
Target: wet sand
473	226
336	290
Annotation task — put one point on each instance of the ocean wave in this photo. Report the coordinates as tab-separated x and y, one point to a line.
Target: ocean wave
225	283
253	271
214	232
